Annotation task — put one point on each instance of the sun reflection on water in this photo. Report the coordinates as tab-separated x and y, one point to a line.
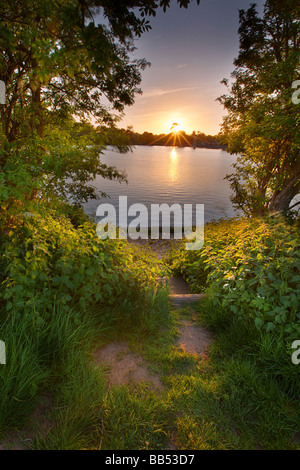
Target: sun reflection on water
173	165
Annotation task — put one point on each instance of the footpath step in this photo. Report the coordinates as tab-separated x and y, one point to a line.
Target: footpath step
179	290
180	299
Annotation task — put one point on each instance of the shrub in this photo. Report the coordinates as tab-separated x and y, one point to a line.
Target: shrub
45	259
251	267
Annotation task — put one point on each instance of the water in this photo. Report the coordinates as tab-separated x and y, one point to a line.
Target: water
169	175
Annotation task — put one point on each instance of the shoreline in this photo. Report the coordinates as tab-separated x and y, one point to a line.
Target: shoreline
213	146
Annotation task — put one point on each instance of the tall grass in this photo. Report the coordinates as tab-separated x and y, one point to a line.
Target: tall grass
36	352
24	372
54	354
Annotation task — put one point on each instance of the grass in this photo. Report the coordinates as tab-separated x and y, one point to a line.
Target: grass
244	395
229	401
55	358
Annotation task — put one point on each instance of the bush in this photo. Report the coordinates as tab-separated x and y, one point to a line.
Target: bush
251	267
61	290
46	260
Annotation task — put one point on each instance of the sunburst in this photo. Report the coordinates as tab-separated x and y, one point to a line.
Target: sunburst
175	136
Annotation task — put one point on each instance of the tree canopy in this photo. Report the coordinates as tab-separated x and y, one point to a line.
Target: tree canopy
262	124
65	61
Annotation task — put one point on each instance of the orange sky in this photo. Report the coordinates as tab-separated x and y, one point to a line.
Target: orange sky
194	108
191	51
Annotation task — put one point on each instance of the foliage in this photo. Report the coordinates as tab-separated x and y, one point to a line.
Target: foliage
33	176
63	62
62	291
262	124
46	258
251	267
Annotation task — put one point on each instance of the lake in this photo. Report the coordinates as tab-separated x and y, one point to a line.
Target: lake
169	175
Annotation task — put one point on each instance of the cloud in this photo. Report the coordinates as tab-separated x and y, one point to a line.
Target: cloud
160	92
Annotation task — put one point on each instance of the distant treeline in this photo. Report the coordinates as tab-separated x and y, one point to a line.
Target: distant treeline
123	137
180	139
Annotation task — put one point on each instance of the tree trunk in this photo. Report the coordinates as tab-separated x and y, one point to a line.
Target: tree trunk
281	199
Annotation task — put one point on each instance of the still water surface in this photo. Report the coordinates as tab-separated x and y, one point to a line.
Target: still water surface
169	175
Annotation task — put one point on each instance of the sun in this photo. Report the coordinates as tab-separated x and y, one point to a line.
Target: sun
175	128
177	135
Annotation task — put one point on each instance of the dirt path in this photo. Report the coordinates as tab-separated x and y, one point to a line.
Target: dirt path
124	367
194	339
127	368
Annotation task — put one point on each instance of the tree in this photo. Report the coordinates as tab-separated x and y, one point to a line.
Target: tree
262	124
60	61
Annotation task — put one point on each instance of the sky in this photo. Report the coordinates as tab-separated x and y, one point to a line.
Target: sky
191	51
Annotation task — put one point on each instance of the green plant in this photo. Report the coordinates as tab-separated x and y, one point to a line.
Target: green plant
45	259
250	267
